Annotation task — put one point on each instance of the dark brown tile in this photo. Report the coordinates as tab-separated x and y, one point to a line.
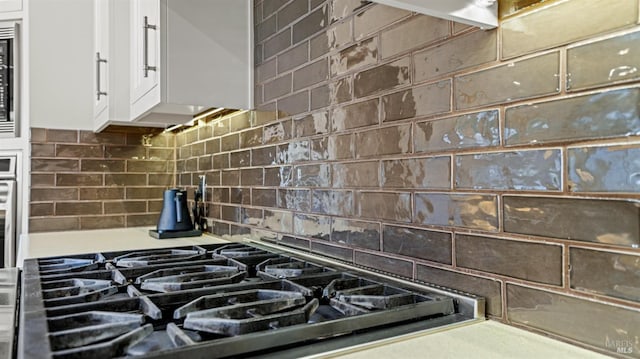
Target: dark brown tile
473	130
101	193
426	100
41	210
252	177
277	43
191	164
591	220
51	165
311	226
271	6
251	138
342	253
279	221
78	208
529	170
144	192
101	222
604	169
354	57
219	228
231	178
312	176
240	159
230	142
126	152
292	152
43	180
278	132
382	78
78	180
239	195
53	194
251	216
205	132
139	220
264	197
320	97
260	118
220	161
240	121
535	262
212	146
460	210
356	174
230	213
295	199
125	179
205	163
430	172
417	243
354	116
104	138
38	135
487	288
605	326
310	24
575	118
615	274
277	87
102	165
294	57
294	242
384	205
54	224
197	149
311	74
220	127
125	207
356	233
318	45
340	147
294	104
60	136
166	154
337	203
277	176
386	264
158	179
263	156
313	124
146	166
79	151
43	150
383	141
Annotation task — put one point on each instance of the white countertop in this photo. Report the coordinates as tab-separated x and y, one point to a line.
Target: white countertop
487	339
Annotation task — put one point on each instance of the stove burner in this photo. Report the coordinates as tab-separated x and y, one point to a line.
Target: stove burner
287	268
61	265
145	258
263	310
171	280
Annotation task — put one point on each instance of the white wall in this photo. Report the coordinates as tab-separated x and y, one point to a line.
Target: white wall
61	67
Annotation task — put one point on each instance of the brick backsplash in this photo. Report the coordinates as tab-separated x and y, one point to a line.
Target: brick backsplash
83	180
502	163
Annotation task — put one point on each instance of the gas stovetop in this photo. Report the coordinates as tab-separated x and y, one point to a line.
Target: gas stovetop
215	301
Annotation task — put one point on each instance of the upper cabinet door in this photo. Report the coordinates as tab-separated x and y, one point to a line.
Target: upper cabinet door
10	5
145	48
102	61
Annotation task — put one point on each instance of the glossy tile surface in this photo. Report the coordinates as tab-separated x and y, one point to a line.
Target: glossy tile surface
384	205
356	115
386	264
356	174
523	260
383	141
376	17
356	233
603	62
487	288
313	124
312	176
535	170
338	203
605	273
342	253
337	147
607	327
604	169
418	243
523	79
577	219
606	114
430	172
423	100
461	210
357	56
563	22
382	78
295	199
459	53
416	31
312	226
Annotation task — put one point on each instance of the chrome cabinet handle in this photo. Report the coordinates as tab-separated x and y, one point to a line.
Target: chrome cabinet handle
99	61
145	46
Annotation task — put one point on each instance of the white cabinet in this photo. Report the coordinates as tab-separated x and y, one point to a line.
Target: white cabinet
187	56
101	49
10	5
